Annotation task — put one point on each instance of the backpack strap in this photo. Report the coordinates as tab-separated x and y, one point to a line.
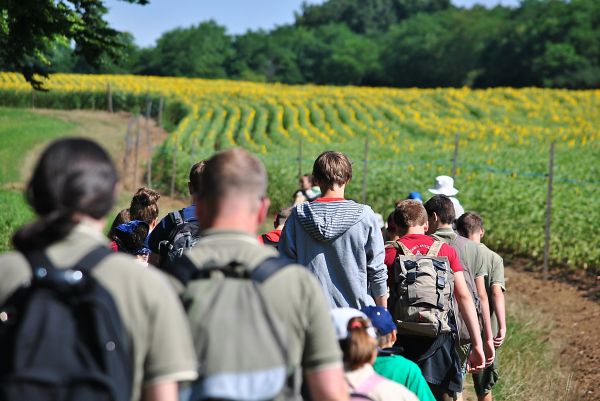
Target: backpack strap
38	258
434	249
177	217
267	241
401	247
369	384
267	268
183	269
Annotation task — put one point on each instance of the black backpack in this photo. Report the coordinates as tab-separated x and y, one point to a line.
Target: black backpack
62	338
184	235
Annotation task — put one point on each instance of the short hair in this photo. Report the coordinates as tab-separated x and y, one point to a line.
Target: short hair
195	172
283	215
443	207
469	223
309	176
144	205
231	172
358	348
331	168
410	213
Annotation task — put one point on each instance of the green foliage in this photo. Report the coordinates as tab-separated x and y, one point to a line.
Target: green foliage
29	30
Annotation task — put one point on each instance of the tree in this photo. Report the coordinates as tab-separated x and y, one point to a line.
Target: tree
29	30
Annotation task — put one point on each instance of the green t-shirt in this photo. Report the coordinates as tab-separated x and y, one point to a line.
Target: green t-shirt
405	372
471	258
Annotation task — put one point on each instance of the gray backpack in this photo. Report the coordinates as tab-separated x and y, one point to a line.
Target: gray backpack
240	342
421	298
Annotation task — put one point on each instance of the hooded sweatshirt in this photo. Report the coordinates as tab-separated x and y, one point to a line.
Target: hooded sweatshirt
341	243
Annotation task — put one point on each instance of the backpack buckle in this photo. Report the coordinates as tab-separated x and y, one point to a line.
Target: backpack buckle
411	277
441	282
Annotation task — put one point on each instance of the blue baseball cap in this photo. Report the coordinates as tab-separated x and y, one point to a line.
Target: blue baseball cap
416	196
380	318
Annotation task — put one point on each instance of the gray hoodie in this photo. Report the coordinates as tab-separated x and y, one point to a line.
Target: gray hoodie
341	243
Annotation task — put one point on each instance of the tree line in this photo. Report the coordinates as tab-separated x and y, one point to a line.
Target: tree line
401	43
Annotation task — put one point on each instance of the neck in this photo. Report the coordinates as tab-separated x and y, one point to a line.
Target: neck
444	226
234	222
96	224
415	230
335	192
475	238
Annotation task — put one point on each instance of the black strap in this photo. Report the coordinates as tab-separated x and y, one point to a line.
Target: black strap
267	241
177	217
267	268
182	269
38	258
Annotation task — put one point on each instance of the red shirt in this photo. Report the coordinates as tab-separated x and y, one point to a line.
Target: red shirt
271	236
420	243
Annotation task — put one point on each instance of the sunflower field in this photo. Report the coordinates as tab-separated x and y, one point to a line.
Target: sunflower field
504	140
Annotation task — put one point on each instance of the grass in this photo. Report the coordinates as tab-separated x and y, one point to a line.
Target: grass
529	368
20	131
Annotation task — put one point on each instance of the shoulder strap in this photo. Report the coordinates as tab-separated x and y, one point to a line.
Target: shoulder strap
267	268
38	258
267	241
369	384
435	248
182	269
403	247
177	217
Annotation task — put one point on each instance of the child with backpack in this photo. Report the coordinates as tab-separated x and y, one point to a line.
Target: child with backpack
428	272
389	363
358	342
470	225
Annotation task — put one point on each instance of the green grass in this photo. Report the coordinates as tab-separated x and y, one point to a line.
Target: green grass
20	132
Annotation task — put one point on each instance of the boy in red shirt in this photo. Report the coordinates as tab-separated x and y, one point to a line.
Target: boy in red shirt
436	356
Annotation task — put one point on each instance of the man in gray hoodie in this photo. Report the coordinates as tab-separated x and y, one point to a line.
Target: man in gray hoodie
338	240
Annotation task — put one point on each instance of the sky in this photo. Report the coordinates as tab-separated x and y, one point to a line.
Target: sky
148	22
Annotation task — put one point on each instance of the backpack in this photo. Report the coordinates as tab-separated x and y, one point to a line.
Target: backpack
362	390
184	235
62	338
458	242
422	294
240	342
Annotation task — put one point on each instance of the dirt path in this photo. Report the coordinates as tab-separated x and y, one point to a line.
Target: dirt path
574	321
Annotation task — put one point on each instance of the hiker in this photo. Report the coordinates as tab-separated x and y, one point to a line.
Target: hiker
440	212
426	334
64	251
307	192
272	237
444	185
338	240
130	238
391	231
389	363
144	206
178	230
358	342
225	312
470	225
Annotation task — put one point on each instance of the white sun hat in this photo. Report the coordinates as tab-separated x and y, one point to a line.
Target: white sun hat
444	185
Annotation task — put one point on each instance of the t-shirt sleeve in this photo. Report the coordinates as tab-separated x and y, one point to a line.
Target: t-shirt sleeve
170	354
497	271
481	263
321	348
452	258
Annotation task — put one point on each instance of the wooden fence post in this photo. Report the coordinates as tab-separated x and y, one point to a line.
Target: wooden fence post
161	105
300	158
128	145
137	153
548	211
149	143
109	99
455	157
174	170
365	171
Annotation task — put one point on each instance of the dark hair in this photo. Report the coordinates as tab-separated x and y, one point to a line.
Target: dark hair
73	176
132	240
468	224
144	205
282	216
332	168
121	217
358	348
443	207
409	213
195	173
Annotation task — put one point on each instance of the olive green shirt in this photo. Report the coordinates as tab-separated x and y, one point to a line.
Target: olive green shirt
151	313
468	251
293	293
494	276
